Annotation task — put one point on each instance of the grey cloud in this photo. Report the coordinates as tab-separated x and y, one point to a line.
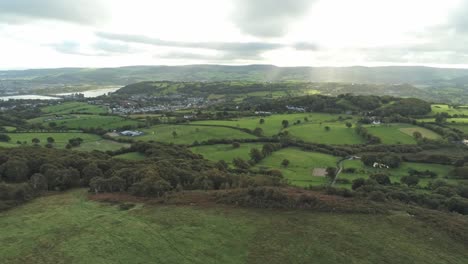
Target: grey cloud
268	18
244	49
181	55
77	11
222	46
459	20
111	47
305	46
101	48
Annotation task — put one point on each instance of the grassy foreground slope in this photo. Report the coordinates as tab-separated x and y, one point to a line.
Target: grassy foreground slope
69	228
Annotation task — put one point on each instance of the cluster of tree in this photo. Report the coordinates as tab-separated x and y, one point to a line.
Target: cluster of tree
28	171
440	195
373	105
390	160
364	133
268	197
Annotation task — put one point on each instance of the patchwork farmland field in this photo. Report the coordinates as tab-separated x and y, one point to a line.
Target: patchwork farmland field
302	163
399	133
77	121
90	142
363	171
442	108
226	152
189	134
74	108
316	133
272	125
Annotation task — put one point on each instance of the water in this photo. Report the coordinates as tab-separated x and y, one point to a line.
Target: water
94	93
27	97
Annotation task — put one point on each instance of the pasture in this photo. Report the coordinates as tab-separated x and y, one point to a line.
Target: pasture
77	121
90	142
441	108
74	108
189	134
395	174
226	152
69	228
273	123
316	133
399	133
302	163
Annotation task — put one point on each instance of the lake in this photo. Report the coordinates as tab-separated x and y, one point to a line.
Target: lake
27	97
94	93
87	94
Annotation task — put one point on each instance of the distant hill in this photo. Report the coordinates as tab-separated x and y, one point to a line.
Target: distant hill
133	74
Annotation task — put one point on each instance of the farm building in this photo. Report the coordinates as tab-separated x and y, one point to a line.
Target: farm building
130	133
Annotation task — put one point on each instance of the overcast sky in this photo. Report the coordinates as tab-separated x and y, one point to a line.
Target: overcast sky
111	33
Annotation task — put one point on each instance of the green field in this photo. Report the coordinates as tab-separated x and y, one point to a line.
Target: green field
90	142
226	152
441	108
363	171
302	163
316	133
69	228
102	145
189	134
272	125
399	133
77	121
131	156
74	108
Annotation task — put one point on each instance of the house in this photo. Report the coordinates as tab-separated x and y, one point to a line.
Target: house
380	166
465	141
129	133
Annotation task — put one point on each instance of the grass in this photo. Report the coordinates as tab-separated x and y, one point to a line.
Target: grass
87	121
102	145
68	228
399	133
131	156
74	107
440	108
395	174
299	171
90	142
226	152
316	133
272	125
189	134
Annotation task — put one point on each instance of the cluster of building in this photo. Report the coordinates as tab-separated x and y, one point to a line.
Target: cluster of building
131	133
295	108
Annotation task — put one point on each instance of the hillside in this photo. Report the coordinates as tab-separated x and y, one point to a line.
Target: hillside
132	74
44	232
